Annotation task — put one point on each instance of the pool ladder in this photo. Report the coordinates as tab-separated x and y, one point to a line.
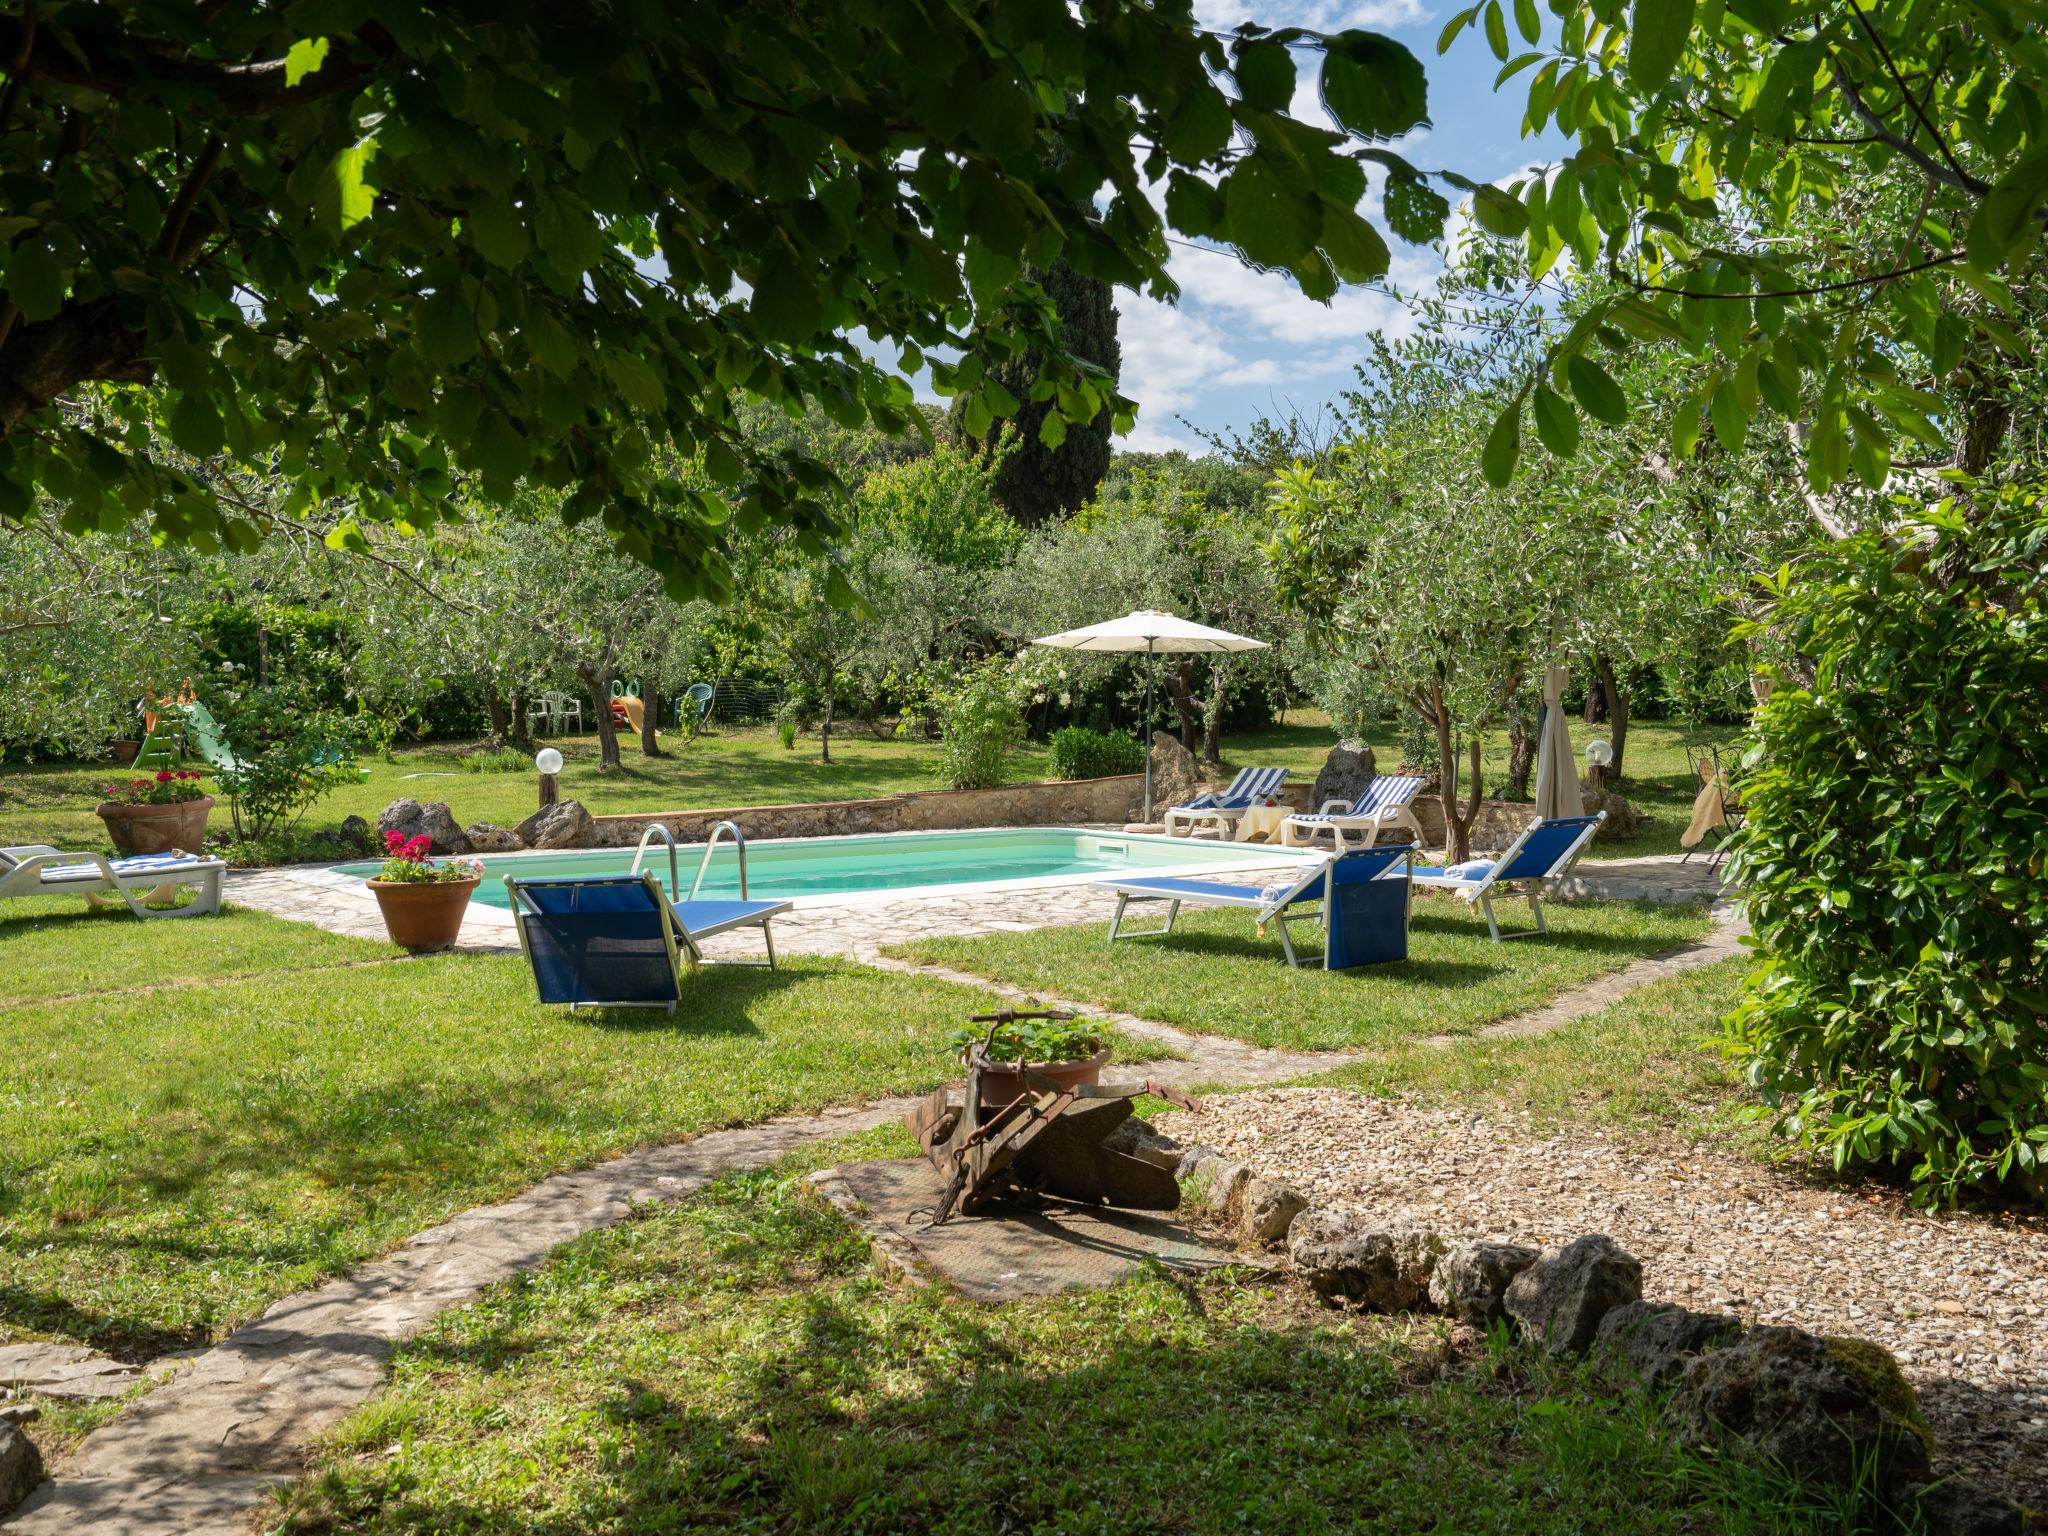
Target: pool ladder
739	842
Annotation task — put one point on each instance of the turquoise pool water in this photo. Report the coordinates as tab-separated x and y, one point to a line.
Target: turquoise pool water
889	861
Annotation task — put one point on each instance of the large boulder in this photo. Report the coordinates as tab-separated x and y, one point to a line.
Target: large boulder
431	820
1561	1298
565	824
1825	1407
1176	776
486	838
1346	771
1268	1209
1470	1281
1216	1188
21	1468
1136	1138
1648	1342
1383	1267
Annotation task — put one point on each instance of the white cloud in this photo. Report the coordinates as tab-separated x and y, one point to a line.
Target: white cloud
1149	437
1319	15
1171	357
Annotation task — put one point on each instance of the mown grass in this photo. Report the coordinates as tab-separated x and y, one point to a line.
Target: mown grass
1216	975
172	1160
1647	1062
56	946
738	1365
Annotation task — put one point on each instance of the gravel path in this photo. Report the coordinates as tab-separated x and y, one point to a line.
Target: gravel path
1961	1300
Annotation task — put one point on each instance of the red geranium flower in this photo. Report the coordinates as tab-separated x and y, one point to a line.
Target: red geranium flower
164	775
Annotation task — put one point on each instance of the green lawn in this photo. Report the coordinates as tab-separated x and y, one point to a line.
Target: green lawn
737	1365
172	1159
1215	975
748	766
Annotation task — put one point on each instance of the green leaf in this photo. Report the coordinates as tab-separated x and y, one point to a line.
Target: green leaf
635	380
1498	213
1731	421
1198	125
2006	226
1556	422
1596	391
1503	445
343	200
196	426
785	302
1657	36
1354	247
1265	75
499	448
1271	222
1685	427
35	281
1052	429
447	330
1527	22
1496	35
1372	85
304	58
497	231
1193	206
1453	27
566	231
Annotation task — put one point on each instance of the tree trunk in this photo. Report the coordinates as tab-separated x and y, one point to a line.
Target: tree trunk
1986	419
1521	755
1596	705
1183	696
1212	717
494	708
598	684
522	728
650	722
1457	829
1616	700
826	682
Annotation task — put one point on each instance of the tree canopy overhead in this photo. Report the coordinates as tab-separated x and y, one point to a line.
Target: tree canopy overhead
1825	203
399	254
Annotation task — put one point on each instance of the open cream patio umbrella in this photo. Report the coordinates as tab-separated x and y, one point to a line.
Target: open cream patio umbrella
1154	633
1557	779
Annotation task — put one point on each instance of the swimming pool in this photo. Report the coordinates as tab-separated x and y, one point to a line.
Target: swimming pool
838	867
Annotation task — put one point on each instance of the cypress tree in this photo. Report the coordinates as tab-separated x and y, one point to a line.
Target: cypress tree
1037	483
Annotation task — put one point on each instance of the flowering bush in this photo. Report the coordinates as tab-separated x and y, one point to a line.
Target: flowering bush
407	862
169	786
1029	1040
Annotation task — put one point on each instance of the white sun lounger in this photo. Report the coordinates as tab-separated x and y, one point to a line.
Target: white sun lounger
1218	811
38	870
1384	804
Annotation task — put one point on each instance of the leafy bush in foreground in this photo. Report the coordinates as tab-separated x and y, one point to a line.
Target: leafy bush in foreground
1895	855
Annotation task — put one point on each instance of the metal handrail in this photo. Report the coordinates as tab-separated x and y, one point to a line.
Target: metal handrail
739	842
675	878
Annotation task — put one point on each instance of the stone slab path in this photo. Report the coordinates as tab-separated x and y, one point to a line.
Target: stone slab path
199	1455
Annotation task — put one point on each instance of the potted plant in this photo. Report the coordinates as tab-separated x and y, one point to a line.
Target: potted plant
163	813
1069	1051
422	901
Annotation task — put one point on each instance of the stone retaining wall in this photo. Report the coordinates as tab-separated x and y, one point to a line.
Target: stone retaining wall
1059	802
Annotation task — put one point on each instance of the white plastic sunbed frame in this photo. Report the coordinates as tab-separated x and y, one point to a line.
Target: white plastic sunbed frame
39	870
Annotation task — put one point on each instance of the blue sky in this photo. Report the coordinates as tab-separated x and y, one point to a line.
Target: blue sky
1242	342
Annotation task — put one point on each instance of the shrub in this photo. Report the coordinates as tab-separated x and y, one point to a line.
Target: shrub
1079	753
504	760
981	721
1894	856
288	752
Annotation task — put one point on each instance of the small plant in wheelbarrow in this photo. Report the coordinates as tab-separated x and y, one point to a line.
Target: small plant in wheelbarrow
1032	1040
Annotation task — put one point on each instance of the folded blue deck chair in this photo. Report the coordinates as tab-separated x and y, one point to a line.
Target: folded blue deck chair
1220	809
618	941
1542	855
37	870
1359	899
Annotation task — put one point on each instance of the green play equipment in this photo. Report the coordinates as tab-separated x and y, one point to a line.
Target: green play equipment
186	728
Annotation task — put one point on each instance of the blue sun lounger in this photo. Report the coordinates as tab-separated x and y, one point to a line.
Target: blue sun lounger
617	941
1543	855
1359	899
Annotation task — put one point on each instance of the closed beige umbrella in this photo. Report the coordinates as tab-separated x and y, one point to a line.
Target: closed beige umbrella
1557	779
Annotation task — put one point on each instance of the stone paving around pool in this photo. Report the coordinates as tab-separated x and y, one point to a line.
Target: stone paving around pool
857	926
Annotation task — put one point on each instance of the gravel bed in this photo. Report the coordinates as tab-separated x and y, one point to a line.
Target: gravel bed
1962	1300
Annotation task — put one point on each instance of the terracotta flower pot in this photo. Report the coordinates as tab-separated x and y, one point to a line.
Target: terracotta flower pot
425	914
123	752
1002	1082
137	829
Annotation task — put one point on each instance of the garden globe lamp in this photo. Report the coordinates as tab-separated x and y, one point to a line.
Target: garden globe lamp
1599	754
549	762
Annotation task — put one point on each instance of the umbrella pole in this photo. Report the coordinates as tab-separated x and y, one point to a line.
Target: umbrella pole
1146	728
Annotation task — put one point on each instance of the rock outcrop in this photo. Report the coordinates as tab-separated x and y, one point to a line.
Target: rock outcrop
432	820
1561	1298
565	824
